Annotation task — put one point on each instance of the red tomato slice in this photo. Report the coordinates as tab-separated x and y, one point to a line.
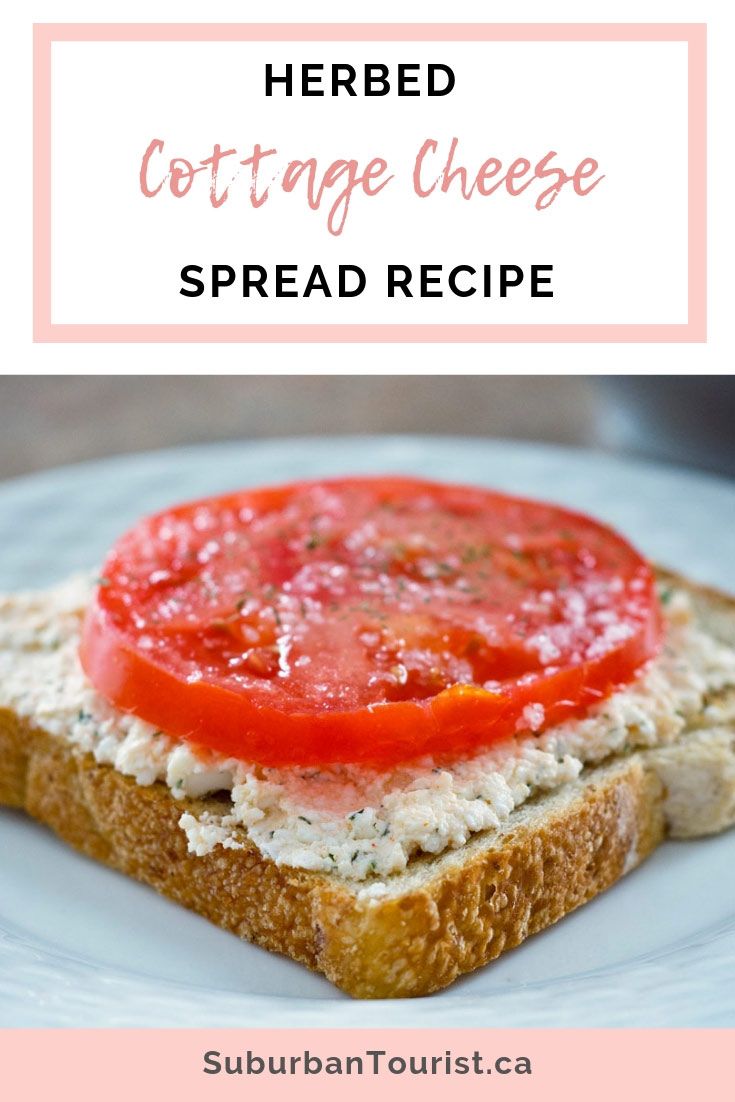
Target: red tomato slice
366	620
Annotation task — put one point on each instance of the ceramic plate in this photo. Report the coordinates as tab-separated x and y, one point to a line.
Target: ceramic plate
81	945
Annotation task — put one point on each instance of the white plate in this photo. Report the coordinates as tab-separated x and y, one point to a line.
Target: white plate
80	945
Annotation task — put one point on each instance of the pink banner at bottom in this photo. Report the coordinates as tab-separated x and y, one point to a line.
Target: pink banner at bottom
315	1064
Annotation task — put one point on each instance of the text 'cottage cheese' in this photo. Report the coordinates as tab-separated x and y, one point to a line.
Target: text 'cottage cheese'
345	819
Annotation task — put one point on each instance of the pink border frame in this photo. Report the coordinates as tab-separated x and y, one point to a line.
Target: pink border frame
694	34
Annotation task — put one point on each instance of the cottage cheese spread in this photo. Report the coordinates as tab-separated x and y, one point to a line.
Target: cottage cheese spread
350	820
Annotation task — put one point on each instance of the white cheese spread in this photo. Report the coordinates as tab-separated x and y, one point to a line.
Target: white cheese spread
350	820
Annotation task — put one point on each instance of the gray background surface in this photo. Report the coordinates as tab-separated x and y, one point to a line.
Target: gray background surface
51	420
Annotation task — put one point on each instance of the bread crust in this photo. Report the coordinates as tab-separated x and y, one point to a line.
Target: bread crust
458	911
445	916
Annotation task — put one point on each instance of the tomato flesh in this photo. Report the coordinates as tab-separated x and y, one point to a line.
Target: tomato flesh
366	620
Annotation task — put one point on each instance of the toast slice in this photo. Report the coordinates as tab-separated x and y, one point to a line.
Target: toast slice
445	914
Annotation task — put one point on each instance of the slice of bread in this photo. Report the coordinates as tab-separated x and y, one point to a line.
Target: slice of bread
443	916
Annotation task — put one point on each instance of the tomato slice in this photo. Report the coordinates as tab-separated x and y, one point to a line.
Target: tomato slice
366	620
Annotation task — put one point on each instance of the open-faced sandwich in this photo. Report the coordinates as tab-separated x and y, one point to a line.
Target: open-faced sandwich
385	726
